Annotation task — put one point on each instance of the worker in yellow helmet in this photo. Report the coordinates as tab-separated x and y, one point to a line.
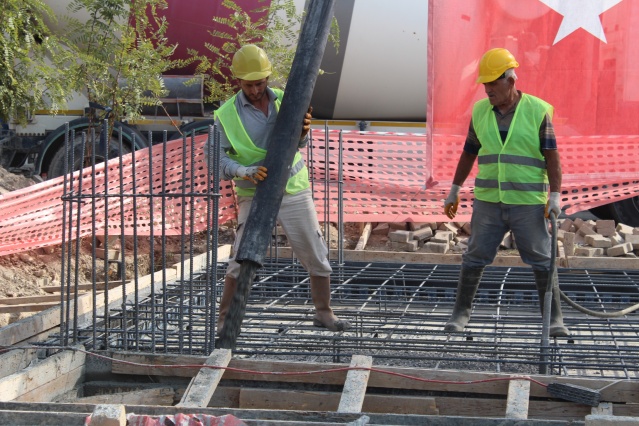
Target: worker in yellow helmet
246	122
512	136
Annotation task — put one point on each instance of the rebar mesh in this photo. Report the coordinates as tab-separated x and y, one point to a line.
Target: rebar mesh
398	310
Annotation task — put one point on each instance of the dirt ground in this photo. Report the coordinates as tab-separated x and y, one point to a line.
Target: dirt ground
23	274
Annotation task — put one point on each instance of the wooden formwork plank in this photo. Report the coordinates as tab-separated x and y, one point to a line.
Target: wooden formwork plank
199	262
354	390
201	389
13	361
405	257
23	300
363	239
517	401
48	319
269	399
81	287
155	396
27	307
58	386
55	368
613	390
616	263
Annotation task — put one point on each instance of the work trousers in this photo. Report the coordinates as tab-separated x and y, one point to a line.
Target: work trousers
298	218
491	221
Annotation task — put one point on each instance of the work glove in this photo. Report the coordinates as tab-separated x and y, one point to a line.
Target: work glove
306	127
254	173
553	205
452	201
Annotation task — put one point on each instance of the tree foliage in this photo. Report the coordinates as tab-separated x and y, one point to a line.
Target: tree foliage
120	53
115	57
27	80
274	27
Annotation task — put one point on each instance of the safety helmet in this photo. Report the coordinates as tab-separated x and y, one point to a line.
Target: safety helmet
251	63
494	63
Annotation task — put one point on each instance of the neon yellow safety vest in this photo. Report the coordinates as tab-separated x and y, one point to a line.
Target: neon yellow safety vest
247	154
512	172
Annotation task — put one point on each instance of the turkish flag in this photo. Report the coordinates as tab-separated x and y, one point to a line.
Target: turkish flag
582	56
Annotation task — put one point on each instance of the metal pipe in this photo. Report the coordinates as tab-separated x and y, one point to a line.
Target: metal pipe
282	148
545	327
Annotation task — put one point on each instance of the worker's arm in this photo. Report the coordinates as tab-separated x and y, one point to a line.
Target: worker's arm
548	142
553	167
464	166
230	168
306	128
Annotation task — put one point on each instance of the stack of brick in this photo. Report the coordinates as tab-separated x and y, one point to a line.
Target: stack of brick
598	238
576	237
432	237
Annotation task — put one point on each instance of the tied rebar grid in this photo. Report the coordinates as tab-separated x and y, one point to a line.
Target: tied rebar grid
398	312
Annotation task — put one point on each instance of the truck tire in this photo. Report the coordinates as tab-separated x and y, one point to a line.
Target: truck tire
57	166
626	211
199	127
51	158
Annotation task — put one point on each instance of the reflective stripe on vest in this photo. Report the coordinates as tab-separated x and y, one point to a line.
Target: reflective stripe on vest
247	154
512	172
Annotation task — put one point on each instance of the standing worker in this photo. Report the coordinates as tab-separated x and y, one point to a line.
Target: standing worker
512	135
246	122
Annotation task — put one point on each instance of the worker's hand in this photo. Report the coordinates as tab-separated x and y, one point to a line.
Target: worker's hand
255	174
452	201
553	205
306	127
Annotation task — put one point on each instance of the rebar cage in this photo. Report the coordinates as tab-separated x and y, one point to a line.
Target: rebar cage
398	310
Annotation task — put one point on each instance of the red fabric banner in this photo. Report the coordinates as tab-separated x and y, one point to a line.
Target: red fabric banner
582	56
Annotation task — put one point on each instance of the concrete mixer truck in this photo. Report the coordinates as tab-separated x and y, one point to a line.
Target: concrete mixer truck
409	67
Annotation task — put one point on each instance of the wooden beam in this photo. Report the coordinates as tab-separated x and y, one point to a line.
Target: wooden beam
55	298
31	383
81	287
616	263
201	389
280	399
604	408
355	387
27	307
13	361
405	257
363	239
155	396
200	261
612	390
48	319
517	401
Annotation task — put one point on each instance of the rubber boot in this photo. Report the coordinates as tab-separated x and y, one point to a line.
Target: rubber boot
557	328
230	285
321	296
466	288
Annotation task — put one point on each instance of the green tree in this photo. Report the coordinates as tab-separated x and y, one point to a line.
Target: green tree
28	81
115	57
274	27
118	55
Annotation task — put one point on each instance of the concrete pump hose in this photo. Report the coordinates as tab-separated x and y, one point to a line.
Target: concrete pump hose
568	300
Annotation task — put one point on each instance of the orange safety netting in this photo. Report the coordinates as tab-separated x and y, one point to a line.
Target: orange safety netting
385	177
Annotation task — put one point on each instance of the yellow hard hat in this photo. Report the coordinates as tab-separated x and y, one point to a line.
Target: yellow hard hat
251	63
494	63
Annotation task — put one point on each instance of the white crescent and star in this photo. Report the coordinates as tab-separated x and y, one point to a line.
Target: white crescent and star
580	14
